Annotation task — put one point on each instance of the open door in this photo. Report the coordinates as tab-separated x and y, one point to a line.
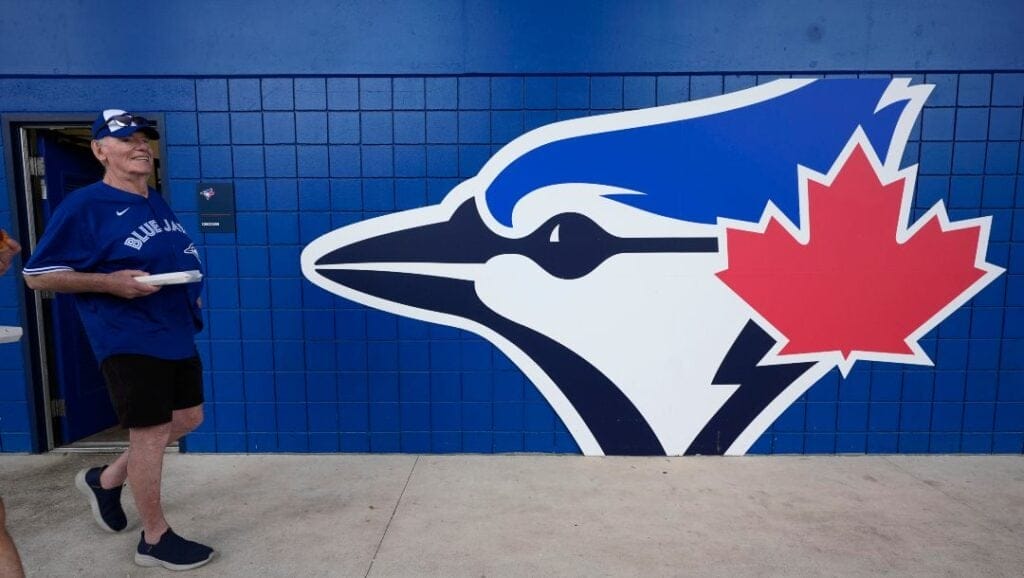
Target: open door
82	405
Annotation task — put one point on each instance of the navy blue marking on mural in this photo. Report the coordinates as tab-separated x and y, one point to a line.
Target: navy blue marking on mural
615	422
582	244
691	169
758	386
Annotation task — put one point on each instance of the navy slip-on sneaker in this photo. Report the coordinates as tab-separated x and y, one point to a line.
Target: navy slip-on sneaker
172	552
105	504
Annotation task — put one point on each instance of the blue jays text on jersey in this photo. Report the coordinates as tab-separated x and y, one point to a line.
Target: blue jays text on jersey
150	229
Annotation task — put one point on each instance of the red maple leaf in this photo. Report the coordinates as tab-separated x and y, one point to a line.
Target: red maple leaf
852	286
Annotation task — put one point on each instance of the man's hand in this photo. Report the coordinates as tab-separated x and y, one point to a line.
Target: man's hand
123	284
8	249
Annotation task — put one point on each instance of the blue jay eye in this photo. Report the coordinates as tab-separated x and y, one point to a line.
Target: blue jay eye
569	245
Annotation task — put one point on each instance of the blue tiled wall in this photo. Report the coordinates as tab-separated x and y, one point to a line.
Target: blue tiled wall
290	368
14	408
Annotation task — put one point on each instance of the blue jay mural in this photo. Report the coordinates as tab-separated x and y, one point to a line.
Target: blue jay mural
595	254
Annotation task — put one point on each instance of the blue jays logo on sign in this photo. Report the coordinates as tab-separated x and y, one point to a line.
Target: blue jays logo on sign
673	278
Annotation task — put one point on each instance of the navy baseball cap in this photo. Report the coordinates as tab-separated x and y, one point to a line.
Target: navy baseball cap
120	124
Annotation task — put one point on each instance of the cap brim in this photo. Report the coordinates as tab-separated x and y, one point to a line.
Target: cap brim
130	130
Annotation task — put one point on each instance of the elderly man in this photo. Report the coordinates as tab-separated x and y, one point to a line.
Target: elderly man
100	240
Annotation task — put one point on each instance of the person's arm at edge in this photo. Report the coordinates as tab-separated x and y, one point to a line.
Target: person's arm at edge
8	249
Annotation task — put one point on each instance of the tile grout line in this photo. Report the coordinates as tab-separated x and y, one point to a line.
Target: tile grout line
393	512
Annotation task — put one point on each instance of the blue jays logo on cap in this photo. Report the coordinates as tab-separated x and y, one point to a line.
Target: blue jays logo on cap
120	124
671	279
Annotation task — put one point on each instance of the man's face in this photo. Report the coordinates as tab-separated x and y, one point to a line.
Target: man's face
126	157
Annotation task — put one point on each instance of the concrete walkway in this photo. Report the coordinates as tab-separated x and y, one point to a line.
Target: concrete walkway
466	515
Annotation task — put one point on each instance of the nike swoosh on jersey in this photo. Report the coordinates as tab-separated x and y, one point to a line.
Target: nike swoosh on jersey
119	213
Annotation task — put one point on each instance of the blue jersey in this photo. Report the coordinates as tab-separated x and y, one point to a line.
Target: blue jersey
101	229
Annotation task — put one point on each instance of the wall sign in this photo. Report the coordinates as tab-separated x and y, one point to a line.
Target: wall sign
216	205
673	278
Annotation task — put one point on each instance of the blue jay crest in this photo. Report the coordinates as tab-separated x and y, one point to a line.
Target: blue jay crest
191	250
671	279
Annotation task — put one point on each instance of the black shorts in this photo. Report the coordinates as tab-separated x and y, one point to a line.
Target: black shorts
145	390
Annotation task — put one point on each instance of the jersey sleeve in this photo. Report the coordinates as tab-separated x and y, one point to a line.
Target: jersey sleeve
67	244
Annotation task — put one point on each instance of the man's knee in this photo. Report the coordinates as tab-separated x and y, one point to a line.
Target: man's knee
156	436
188	419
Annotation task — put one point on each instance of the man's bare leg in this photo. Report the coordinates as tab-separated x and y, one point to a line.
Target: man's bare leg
145	467
182	422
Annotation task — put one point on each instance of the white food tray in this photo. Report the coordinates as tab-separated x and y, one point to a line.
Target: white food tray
9	334
176	278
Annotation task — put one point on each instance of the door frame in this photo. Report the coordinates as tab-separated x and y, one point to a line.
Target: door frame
36	358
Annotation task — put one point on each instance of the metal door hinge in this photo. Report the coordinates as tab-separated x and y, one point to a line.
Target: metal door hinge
36	166
57	408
